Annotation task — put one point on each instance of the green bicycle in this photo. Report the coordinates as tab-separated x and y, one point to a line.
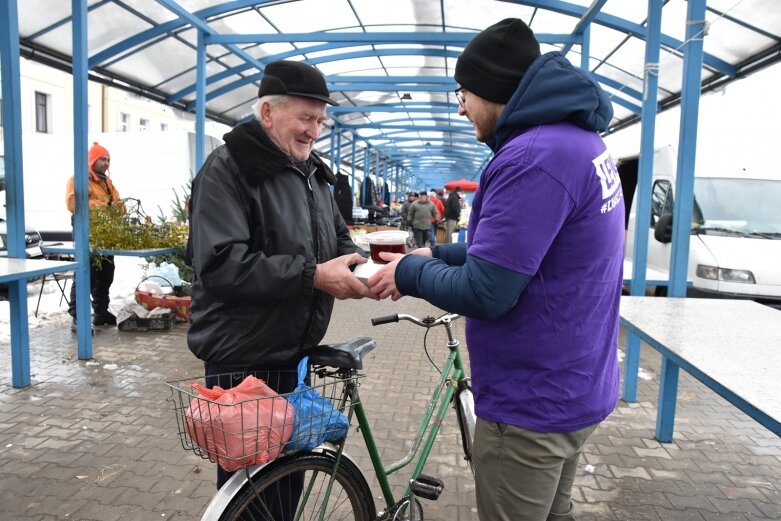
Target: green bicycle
326	483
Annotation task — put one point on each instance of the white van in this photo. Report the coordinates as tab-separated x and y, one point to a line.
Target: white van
735	246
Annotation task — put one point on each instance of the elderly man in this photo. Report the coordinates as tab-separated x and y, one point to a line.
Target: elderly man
540	278
270	250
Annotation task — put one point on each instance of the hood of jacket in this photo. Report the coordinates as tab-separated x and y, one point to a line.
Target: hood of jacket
553	91
258	158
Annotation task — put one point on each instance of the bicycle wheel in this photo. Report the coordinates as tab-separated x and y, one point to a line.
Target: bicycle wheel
296	488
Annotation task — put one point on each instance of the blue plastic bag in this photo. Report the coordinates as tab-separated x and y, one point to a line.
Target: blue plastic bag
315	419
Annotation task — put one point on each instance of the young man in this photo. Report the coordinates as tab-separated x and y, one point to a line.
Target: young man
270	250
100	192
540	277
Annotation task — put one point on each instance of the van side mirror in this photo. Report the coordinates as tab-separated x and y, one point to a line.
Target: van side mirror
663	231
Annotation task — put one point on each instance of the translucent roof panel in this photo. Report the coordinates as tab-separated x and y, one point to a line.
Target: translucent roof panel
396	59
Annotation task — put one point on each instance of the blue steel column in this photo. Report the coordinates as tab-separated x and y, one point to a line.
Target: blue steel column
644	182
352	168
333	144
12	140
684	182
377	185
396	184
366	168
684	190
385	186
81	215
200	100
338	152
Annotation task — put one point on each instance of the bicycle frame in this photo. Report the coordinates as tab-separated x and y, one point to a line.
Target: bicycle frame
453	377
452	374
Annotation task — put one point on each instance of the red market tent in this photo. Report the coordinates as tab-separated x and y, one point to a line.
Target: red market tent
465	184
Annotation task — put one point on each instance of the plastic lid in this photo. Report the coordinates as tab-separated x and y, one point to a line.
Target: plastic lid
387	237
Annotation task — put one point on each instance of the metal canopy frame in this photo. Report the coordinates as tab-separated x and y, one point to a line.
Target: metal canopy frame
390	66
370	45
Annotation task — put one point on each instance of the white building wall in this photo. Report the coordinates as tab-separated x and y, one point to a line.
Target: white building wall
47	160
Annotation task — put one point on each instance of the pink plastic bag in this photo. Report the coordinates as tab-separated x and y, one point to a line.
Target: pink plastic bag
246	425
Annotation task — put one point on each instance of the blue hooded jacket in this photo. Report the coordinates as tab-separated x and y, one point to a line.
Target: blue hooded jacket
551	91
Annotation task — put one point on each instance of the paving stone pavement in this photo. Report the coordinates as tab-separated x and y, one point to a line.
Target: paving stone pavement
96	441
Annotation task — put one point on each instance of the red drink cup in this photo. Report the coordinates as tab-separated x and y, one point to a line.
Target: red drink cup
391	240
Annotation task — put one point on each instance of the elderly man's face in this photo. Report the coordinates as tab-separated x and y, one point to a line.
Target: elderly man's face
294	126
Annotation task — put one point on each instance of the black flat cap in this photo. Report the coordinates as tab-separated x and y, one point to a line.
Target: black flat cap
294	79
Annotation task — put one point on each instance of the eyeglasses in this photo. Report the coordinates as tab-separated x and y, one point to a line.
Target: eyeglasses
460	96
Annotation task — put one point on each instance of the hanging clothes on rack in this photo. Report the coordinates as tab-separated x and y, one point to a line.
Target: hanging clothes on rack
343	195
367	192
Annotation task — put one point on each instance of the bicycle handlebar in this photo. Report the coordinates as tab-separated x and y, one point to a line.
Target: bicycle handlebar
385	320
423	322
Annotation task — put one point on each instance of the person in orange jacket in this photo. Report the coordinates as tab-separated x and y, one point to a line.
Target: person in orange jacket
432	234
101	192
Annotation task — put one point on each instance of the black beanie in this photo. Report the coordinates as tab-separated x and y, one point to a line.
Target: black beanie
494	61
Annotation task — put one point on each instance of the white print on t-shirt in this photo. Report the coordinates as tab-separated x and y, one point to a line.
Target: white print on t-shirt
607	173
612	203
610	181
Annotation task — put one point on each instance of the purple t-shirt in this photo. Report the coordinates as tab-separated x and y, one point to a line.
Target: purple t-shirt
550	205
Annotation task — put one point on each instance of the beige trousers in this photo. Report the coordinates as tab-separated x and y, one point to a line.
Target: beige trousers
522	475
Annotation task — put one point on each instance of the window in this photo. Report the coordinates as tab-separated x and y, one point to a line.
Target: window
163	126
661	200
143	125
42	112
124	122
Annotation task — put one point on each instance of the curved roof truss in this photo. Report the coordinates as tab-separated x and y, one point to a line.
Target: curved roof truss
389	64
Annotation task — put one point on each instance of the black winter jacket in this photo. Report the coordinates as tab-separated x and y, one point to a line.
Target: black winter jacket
259	226
453	206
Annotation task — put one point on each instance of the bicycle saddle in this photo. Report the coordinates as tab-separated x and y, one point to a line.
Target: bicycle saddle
345	355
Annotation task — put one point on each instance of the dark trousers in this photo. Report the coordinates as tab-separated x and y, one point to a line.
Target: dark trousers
432	234
101	276
282	498
420	237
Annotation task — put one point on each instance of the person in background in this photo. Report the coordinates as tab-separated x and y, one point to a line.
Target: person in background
270	250
411	198
421	212
540	276
452	213
432	234
100	193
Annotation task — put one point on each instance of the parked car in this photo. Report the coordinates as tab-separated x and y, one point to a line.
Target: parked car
32	242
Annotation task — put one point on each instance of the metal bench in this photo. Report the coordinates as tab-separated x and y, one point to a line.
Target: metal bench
731	346
15	272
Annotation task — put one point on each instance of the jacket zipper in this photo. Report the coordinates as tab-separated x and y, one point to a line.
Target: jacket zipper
315	239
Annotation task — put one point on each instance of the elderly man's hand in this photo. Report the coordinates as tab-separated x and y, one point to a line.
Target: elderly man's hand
335	278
